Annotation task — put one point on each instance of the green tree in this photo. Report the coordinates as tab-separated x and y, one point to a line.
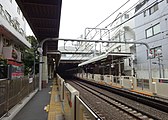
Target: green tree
29	55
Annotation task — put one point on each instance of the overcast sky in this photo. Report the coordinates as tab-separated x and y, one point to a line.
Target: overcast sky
76	15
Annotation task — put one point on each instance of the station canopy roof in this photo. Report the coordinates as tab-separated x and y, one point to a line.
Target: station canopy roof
43	17
106	56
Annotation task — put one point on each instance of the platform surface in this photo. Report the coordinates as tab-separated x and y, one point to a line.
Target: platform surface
34	109
55	106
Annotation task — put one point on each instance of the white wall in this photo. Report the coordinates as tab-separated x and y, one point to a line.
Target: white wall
11	8
141	24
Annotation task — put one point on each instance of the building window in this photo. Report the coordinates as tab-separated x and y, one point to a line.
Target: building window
154	30
149	33
7	16
144	13
154	52
16	25
126	16
23	17
6	42
140	5
1	9
153	9
18	10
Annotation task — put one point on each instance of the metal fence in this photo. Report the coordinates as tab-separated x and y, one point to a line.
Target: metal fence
13	91
143	83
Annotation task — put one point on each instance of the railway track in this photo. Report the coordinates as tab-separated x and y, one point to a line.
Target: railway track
151	101
128	111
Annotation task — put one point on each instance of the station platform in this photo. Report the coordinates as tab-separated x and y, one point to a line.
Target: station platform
43	105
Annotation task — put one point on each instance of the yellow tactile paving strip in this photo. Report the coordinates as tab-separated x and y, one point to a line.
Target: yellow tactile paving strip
143	92
55	110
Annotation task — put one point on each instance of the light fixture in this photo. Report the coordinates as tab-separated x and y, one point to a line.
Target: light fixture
40	50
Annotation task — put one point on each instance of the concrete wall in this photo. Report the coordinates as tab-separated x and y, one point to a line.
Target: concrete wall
141	24
14	33
11	8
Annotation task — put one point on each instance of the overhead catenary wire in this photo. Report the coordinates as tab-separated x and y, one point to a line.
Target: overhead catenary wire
104	21
121	14
109	16
149	42
140	12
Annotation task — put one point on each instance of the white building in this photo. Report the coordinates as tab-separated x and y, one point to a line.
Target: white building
123	31
12	31
151	26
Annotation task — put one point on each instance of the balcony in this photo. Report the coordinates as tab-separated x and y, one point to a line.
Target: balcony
8	25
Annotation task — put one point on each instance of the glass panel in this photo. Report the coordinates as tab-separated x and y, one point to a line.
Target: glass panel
153	9
156	7
156	29
149	33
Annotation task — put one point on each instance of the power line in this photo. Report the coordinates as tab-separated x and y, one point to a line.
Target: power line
140	12
127	11
109	16
106	19
117	17
132	7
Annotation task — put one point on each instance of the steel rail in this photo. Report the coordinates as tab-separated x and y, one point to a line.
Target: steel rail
149	101
91	90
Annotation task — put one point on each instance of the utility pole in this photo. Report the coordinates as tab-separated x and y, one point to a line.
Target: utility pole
159	61
160	75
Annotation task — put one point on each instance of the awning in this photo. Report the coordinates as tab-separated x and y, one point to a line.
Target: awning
110	55
43	17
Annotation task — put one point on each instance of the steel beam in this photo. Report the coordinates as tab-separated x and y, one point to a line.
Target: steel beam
97	41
